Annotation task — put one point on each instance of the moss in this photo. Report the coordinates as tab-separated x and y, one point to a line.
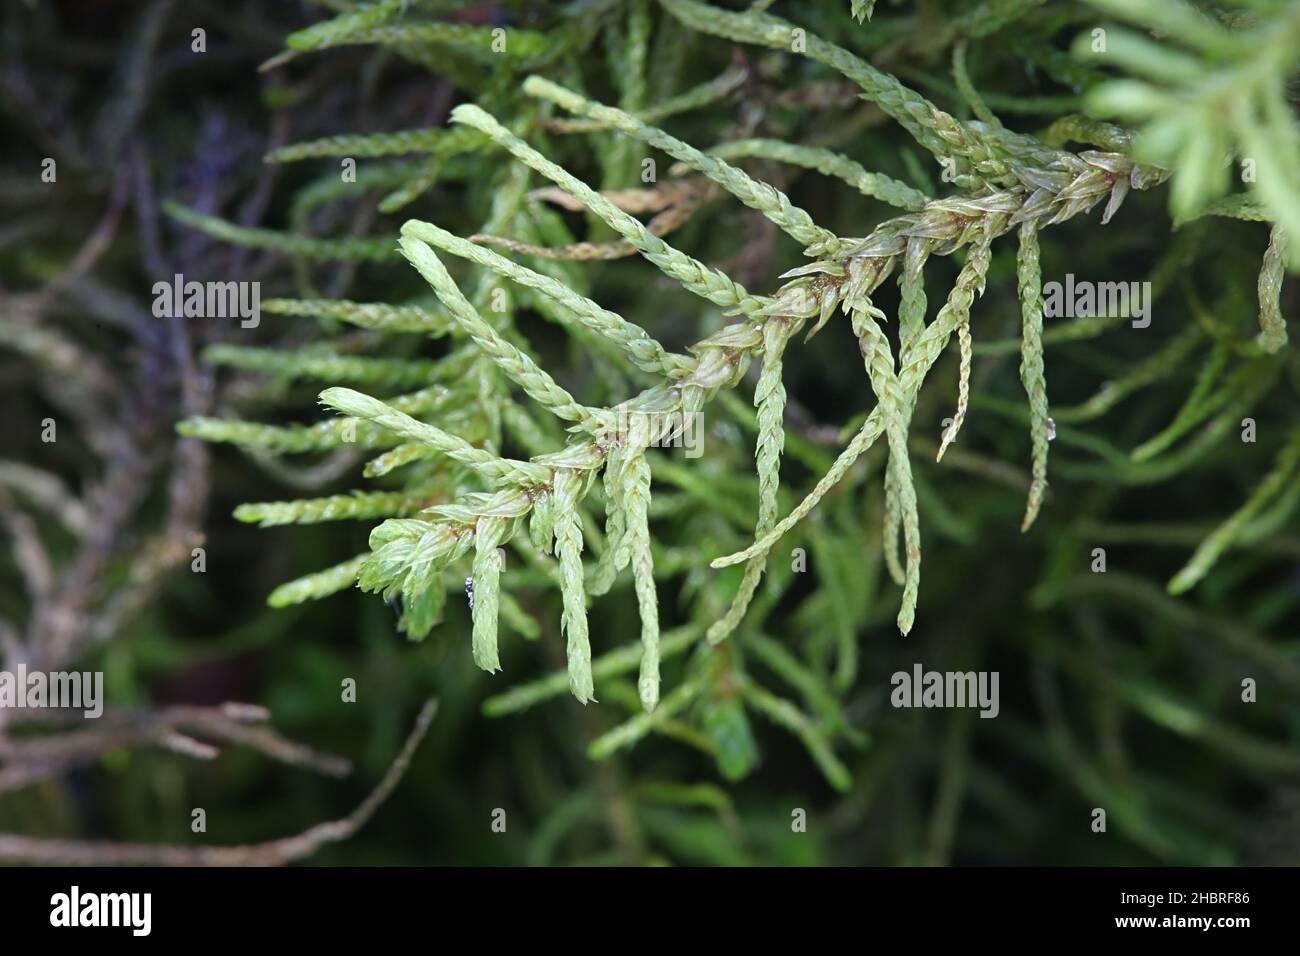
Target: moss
723	245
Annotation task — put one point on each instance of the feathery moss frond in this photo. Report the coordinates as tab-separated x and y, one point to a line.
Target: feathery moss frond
695	276
566	492
367	315
1272	325
307	247
894	409
640	346
313	587
1030	277
353	507
485	590
769	397
441	141
324	366
457	501
1192	117
768	200
1285	472
828	162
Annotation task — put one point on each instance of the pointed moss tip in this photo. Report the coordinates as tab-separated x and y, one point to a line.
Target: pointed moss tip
466	113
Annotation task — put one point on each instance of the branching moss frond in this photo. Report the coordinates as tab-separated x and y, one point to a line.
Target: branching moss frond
585	501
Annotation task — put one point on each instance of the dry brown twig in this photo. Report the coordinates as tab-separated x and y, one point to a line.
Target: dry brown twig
46	852
173	728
